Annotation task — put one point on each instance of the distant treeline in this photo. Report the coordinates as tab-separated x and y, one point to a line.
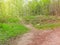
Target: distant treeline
33	7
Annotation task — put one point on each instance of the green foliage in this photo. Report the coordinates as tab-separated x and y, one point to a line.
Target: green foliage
43	21
38	8
9	19
47	26
11	30
45	6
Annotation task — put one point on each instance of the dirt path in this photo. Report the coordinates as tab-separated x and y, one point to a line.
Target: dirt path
38	37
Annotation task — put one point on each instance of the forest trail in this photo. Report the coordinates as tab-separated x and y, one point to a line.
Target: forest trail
38	37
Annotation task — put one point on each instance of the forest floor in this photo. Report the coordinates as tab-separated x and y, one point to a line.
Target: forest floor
38	37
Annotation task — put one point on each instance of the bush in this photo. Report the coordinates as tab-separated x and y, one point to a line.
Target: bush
8	18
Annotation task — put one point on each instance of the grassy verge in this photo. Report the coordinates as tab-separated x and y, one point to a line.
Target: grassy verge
47	26
10	30
43	21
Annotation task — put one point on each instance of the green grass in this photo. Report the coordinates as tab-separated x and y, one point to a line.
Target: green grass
9	18
47	26
43	21
8	31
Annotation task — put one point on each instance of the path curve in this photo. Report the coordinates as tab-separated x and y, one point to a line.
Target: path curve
38	37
